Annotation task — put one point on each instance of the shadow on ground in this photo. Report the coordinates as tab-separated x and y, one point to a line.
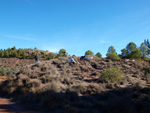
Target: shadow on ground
124	100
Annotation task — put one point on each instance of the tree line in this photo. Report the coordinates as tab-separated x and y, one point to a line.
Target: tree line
131	51
24	53
13	52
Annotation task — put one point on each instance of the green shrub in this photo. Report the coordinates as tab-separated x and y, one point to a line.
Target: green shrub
51	56
113	75
7	70
63	53
113	56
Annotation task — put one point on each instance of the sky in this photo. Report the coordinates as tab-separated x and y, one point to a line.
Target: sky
75	25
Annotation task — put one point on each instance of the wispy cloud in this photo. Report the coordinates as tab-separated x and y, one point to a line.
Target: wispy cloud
17	37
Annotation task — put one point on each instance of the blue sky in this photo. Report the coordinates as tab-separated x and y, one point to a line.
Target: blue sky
76	25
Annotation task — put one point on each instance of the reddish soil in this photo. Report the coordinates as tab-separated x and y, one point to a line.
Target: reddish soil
3	78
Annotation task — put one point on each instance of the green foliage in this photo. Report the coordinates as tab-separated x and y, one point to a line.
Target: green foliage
148	45
63	53
24	55
51	56
30	56
89	52
130	47
113	75
6	54
124	52
14	48
113	56
7	70
135	54
144	50
19	51
15	54
1	53
111	49
98	55
45	57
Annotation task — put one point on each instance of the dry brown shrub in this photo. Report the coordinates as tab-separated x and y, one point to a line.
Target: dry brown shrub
87	89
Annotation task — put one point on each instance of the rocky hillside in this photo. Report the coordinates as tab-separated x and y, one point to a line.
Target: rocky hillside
76	88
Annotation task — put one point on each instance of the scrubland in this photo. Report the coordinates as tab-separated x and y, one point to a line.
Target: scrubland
56	86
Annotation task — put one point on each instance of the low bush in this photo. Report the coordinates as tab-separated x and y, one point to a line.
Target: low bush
7	70
113	75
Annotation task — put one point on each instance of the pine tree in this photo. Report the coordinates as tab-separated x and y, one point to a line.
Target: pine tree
144	50
1	53
131	47
15	54
111	49
6	53
14	48
98	55
124	52
24	55
89	52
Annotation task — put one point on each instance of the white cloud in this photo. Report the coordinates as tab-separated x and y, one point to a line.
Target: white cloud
17	37
53	47
55	50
